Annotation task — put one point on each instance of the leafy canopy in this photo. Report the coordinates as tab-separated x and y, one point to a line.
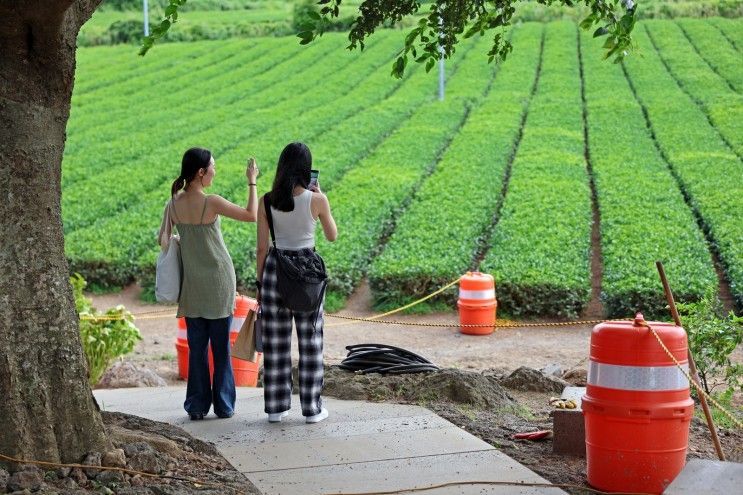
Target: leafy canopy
438	32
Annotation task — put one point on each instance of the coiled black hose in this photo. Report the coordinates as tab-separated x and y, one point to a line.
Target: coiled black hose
384	359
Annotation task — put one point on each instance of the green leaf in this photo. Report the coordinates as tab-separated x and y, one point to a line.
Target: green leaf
600	32
306	37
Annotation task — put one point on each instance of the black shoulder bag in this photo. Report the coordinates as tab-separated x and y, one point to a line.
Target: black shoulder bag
301	275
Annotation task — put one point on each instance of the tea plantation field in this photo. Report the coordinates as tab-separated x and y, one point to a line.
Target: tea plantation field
526	170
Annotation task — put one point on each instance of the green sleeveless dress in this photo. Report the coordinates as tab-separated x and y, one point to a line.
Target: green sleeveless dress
208	281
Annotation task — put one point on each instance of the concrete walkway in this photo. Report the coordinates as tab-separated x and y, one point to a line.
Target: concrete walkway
361	447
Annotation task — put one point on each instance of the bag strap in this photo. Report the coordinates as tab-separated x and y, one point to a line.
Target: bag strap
172	207
269	217
201	220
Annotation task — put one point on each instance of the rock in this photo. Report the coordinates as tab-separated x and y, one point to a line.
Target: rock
125	374
25	480
134	490
142	457
106	490
553	369
4	477
134	448
92	459
69	484
114	458
529	379
63	472
78	475
577	377
107	477
136	480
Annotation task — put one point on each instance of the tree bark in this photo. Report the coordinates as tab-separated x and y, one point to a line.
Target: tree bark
48	411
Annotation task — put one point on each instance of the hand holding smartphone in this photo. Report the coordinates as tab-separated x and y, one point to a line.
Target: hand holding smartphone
314	174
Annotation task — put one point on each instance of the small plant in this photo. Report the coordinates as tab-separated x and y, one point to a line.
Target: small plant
104	339
713	336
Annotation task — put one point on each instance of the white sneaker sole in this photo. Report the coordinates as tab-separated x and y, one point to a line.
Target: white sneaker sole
323	414
276	418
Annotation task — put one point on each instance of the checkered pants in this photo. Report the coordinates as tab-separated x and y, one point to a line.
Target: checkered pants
277	358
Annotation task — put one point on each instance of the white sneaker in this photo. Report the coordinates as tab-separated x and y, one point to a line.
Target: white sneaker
277	417
318	417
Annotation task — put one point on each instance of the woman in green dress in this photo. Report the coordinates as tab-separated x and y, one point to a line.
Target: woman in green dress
207	295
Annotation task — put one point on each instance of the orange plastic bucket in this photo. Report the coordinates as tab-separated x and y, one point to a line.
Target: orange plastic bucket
477	304
637	407
245	372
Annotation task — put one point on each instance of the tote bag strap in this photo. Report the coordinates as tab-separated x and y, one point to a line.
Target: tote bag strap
269	217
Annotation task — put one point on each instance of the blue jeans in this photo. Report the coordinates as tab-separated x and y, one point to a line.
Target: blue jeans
200	392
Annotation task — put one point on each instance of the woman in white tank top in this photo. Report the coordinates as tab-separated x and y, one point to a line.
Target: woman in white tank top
295	208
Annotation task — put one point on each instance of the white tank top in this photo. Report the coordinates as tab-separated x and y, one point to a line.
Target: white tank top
295	229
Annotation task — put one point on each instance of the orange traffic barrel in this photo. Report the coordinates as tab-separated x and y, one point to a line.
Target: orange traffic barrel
477	303
245	372
637	407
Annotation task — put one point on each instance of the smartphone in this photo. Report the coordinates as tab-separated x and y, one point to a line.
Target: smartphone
313	177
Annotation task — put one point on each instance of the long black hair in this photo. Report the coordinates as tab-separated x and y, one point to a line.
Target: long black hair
292	170
193	160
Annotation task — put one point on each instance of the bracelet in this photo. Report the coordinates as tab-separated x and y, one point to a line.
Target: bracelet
252	184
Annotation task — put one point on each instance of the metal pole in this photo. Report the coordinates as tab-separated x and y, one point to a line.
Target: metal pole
146	10
442	78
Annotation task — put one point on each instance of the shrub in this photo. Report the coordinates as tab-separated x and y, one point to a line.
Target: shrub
307	11
713	336
436	240
539	254
125	31
643	214
704	164
105	339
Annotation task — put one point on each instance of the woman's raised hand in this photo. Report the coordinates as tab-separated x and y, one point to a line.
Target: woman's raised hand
252	171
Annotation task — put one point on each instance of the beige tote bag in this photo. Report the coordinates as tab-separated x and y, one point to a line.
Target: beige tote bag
244	346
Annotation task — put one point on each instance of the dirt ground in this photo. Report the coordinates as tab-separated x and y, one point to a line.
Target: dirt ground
507	348
502	351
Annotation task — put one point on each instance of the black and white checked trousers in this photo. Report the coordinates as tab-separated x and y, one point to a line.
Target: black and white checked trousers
277	357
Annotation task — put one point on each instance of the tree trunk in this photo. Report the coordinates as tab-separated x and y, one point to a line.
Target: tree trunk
47	409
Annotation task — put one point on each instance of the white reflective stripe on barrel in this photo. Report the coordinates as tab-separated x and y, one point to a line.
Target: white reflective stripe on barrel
237	323
477	294
641	378
182	334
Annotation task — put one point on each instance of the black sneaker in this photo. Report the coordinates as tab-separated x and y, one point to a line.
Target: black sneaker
195	416
225	416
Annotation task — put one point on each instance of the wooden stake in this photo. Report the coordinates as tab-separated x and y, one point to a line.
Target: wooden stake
692	365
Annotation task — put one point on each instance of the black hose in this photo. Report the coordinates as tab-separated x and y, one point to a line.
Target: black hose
384	359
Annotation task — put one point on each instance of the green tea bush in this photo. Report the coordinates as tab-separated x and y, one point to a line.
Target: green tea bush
539	254
722	104
437	238
716	50
372	196
707	168
643	214
713	336
106	339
